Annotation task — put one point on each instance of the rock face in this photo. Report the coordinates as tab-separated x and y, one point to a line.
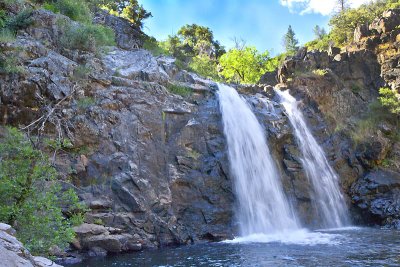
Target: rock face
336	89
151	165
13	253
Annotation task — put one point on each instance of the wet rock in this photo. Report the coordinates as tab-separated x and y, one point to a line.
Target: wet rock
378	196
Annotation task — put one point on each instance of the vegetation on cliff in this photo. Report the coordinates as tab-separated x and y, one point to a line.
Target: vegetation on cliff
31	198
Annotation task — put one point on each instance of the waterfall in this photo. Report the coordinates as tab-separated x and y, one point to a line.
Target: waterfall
262	205
328	199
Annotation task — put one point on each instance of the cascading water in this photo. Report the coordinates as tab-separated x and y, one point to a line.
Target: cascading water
263	207
329	201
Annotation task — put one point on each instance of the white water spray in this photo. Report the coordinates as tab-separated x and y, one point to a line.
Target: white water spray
329	201
263	207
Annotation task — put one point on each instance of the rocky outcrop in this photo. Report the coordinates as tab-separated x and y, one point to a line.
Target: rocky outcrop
13	253
336	90
150	164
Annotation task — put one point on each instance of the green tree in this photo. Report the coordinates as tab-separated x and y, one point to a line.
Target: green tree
128	9
391	99
245	65
30	198
199	40
319	32
290	42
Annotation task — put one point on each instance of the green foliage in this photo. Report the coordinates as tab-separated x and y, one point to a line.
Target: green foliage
6	36
82	72
77	10
205	67
320	72
390	99
290	42
199	40
85	102
155	47
128	9
9	64
30	198
344	22
319	44
319	32
246	65
87	37
20	21
179	89
368	125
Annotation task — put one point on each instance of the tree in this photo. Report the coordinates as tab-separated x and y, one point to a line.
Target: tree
30	198
391	99
290	42
319	32
128	9
342	5
245	66
199	40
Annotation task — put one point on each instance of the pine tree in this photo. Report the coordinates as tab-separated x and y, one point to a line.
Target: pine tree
290	42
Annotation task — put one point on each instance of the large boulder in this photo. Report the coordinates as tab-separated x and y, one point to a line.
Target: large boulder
377	195
13	253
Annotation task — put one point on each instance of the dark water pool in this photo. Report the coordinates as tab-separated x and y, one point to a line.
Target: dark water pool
346	247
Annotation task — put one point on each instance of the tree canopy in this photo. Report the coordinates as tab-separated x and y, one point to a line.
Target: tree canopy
245	65
290	42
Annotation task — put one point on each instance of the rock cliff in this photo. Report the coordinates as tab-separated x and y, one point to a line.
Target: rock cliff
338	90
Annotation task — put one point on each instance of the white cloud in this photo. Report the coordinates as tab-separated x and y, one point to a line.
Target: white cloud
324	7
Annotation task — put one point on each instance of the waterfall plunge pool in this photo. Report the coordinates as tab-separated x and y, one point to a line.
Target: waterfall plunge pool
338	247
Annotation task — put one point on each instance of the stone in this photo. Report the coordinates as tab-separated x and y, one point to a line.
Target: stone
97	252
128	37
43	262
360	32
333	51
7	228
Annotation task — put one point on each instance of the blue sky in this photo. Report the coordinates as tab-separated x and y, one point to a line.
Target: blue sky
262	23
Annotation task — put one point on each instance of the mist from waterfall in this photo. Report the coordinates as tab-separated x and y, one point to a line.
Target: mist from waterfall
328	199
262	205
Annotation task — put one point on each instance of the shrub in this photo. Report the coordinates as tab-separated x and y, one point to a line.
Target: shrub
77	10
10	65
205	67
30	198
179	89
85	102
390	99
20	21
152	45
320	72
87	37
6	36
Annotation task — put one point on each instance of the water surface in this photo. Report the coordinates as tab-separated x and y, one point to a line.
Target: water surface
346	247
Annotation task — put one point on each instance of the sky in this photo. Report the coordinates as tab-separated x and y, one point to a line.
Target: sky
261	23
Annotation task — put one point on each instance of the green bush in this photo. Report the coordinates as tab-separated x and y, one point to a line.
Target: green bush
87	37
6	36
10	65
20	21
179	89
30	197
85	102
390	99
77	10
155	47
205	67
